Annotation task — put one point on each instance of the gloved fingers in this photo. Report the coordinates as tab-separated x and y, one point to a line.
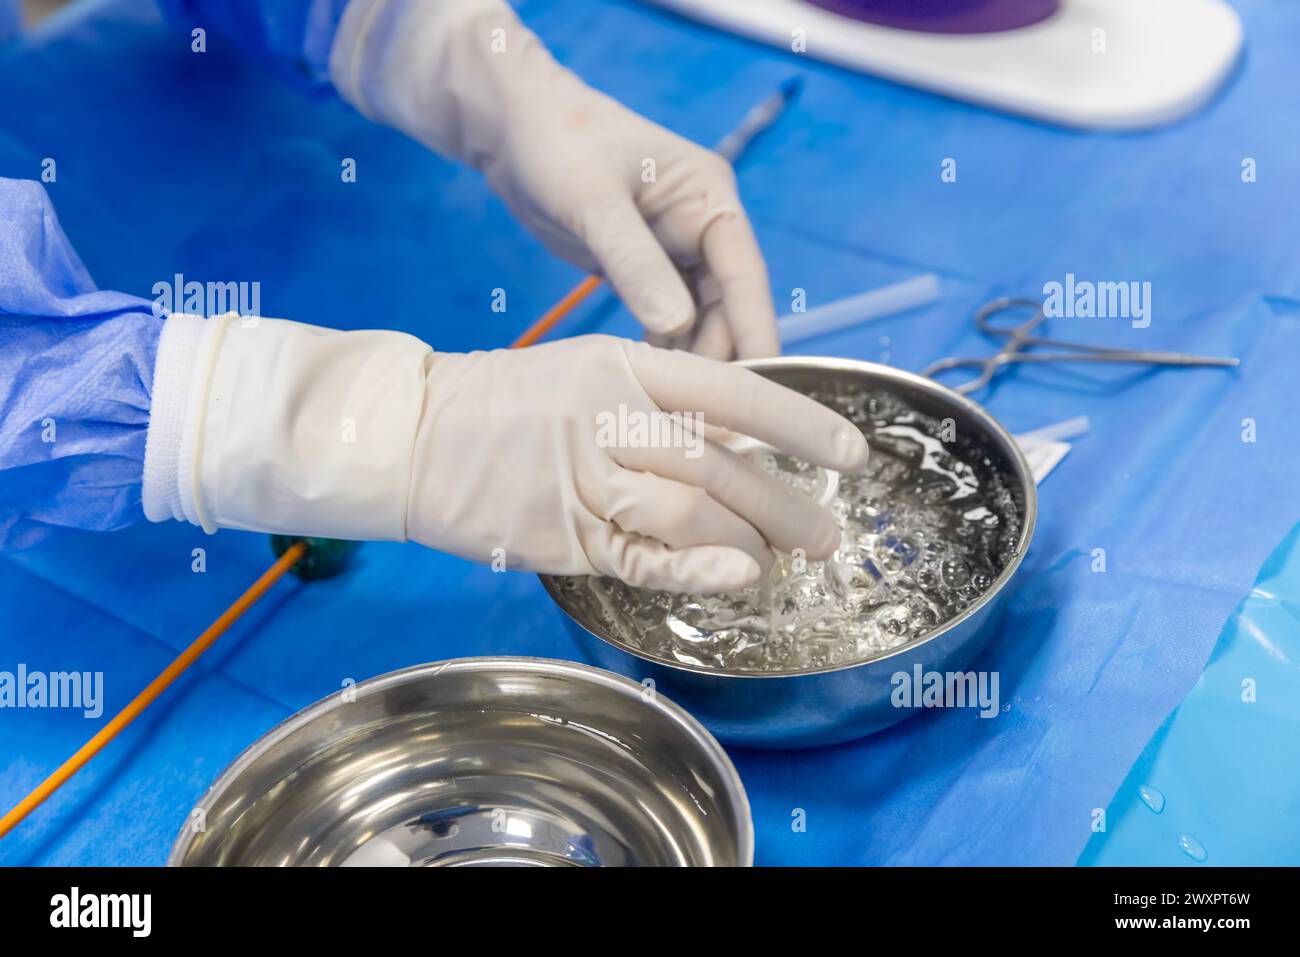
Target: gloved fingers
646	563
681	516
735	263
743	401
717	433
638	267
704	228
684	340
711	337
785	517
661	342
694	186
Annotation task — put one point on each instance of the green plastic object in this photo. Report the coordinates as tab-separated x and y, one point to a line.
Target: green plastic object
325	558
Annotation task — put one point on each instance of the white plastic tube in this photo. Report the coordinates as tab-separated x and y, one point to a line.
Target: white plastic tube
864	307
1060	431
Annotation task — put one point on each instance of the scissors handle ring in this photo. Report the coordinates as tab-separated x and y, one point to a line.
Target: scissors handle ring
986	312
987	368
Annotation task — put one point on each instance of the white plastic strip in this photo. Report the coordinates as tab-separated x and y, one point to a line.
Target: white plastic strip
1043	455
855	310
1060	431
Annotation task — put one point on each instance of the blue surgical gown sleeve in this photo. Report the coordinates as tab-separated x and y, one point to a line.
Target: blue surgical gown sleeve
292	36
11	21
76	367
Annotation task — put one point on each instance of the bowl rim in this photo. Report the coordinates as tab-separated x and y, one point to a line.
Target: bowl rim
700	736
968	406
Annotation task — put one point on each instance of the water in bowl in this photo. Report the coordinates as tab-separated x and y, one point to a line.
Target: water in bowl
927	528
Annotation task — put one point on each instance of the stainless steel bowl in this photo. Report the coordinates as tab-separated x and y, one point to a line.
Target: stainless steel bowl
478	762
821	706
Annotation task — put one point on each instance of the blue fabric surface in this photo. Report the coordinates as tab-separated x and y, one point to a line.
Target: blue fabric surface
1219	783
76	370
847	195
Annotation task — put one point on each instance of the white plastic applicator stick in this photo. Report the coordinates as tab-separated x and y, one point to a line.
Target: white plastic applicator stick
864	307
1060	431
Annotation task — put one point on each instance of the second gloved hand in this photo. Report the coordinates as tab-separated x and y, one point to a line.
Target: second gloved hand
602	186
560	458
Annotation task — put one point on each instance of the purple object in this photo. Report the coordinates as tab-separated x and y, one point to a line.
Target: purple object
945	16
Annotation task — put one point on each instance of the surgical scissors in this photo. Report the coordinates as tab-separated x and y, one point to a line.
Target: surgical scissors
1019	338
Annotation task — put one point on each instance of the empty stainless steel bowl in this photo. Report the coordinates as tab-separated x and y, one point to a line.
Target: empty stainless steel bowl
478	762
828	705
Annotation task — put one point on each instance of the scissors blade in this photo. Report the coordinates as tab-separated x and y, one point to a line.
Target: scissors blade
1130	355
1137	357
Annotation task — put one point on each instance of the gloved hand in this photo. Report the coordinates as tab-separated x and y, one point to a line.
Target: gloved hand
561	456
600	185
582	472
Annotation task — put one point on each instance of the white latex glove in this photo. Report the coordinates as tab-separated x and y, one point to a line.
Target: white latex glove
277	426
601	186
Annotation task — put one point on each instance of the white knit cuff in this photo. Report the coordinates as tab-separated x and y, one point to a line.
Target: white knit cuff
183	351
